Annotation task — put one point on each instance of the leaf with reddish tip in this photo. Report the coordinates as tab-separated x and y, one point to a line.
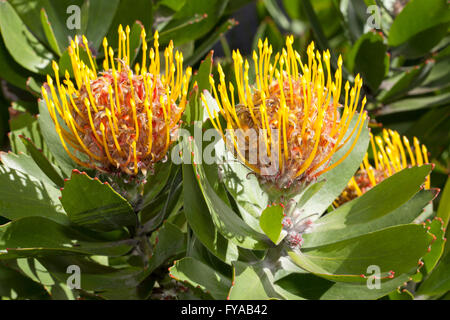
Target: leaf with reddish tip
402	203
395	249
49	34
171	242
430	260
443	211
308	286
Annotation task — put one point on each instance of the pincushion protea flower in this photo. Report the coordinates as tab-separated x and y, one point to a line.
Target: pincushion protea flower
391	153
293	108
117	120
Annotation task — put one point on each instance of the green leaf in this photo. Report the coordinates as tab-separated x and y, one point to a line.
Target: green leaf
309	286
156	182
30	107
420	26
24	124
94	276
42	162
439	75
354	17
17	286
21	43
395	249
230	225
175	5
365	214
251	283
225	219
38	236
437	229
25	164
406	81
135	40
29	12
52	140
95	205
203	73
22	195
401	295
443	211
11	71
368	57
199	274
199	219
337	178
271	222
438	282
276	12
170	201
97	28
33	269
207	44
416	103
50	35
315	25
4	119
195	249
234	5
209	10
33	87
274	36
141	10
250	198
171	242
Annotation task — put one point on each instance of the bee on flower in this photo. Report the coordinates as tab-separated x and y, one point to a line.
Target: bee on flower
391	153
294	110
118	119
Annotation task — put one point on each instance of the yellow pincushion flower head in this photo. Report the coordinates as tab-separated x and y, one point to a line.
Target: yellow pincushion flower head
391	153
118	120
293	108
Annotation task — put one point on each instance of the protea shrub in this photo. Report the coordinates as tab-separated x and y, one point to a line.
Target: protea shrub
295	141
301	199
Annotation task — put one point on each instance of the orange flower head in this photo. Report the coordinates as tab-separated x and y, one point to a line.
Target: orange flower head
293	111
118	120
